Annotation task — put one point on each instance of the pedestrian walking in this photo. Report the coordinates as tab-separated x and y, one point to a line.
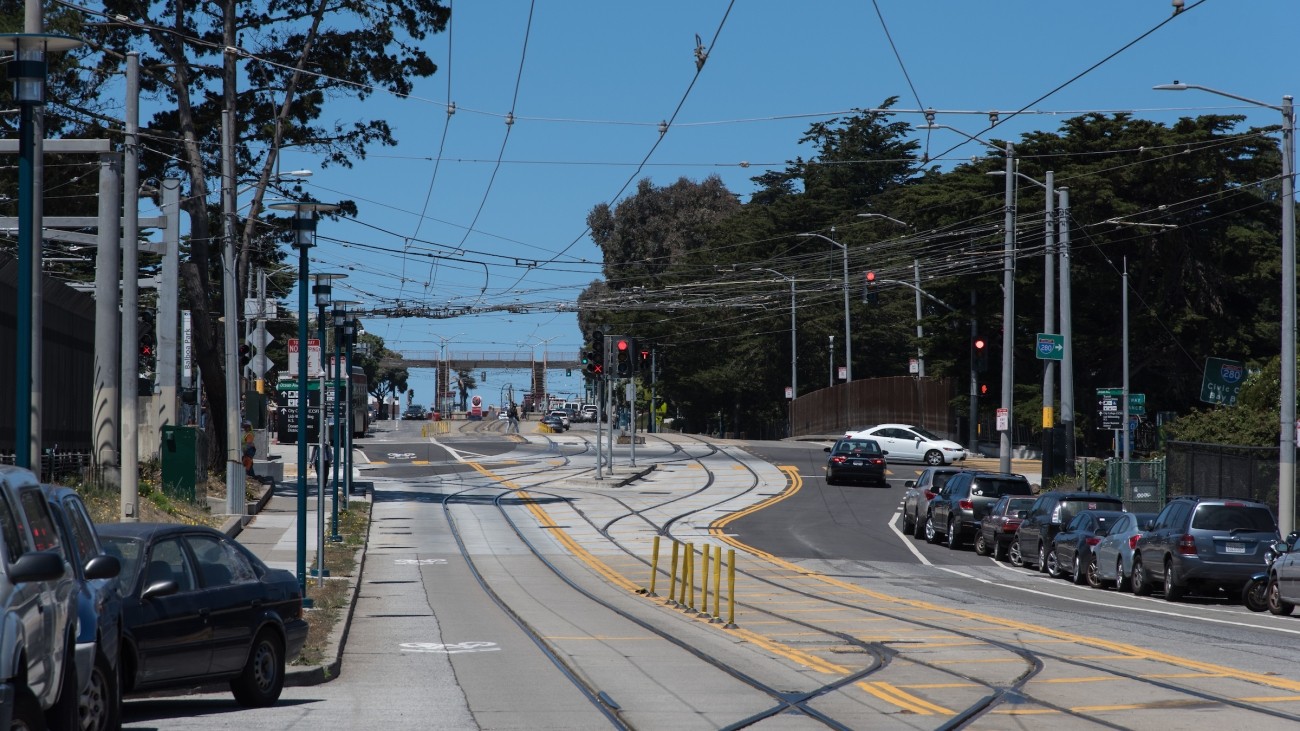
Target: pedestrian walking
249	449
514	419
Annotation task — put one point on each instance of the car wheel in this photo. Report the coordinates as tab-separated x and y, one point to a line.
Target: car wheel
101	700
954	536
982	544
1173	590
1141	582
1121	581
1013	554
27	712
934	457
999	550
1042	557
262	679
931	535
1255	595
1093	573
909	525
918	527
1275	603
1053	565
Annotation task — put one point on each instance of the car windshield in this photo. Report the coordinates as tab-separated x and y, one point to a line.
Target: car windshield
1228	517
857	447
127	551
1019	504
1071	508
941	479
988	487
927	434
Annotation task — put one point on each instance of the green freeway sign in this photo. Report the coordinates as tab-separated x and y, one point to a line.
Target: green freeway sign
1221	381
1137	402
1050	346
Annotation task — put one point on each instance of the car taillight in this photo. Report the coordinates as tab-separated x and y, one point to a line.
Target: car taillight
964	504
929	495
1092	540
877	460
1133	542
837	460
1011	526
1187	545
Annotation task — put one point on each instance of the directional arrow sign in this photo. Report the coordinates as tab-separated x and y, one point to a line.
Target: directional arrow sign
1050	346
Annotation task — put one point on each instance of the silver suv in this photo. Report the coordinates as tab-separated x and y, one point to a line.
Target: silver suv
1214	543
38	610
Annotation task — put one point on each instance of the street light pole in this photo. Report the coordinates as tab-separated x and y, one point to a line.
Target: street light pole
1286	493
794	343
304	237
848	327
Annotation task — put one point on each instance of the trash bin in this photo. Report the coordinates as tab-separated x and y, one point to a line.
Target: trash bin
181	470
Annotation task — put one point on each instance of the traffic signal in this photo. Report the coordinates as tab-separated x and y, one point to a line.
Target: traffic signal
870	295
245	355
984	389
148	351
979	354
623	357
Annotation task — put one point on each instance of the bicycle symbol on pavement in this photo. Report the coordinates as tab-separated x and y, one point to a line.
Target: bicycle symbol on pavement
401	455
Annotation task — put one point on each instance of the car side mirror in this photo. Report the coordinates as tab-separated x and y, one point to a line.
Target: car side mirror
1147	525
908	483
103	567
883	453
159	589
1281	547
37	566
1022	514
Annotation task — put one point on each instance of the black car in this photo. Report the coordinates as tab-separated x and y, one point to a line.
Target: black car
415	413
856	460
966	499
1206	543
99	610
554	422
1051	512
1072	548
198	607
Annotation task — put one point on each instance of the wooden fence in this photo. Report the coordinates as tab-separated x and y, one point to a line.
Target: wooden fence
924	402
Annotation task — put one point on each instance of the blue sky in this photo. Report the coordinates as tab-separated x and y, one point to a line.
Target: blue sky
589	81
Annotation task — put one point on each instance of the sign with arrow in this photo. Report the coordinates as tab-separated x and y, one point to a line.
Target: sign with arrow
1050	346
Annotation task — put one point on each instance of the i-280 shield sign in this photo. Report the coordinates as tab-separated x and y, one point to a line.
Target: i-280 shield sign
1222	381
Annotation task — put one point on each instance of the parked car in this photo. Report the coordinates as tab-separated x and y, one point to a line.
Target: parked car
856	460
198	608
1071	553
1049	513
38	610
912	444
965	500
1204	543
916	501
554	422
1283	588
999	526
563	416
99	610
1113	556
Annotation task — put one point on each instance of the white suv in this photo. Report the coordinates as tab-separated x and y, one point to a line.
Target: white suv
38	610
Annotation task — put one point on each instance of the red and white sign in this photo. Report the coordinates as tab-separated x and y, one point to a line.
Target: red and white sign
1004	420
476	406
313	357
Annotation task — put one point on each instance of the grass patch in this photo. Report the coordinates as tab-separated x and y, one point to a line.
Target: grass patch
330	596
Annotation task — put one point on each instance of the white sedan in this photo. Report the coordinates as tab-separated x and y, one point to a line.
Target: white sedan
907	443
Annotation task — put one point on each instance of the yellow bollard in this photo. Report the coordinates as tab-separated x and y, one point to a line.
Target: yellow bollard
731	589
690	577
654	567
717	585
704	593
672	578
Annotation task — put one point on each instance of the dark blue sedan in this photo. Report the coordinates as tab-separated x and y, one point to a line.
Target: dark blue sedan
198	607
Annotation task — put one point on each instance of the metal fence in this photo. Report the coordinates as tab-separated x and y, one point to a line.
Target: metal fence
1141	484
1218	470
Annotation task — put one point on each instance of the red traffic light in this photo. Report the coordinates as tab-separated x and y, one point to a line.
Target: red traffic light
622	345
984	388
979	343
871	277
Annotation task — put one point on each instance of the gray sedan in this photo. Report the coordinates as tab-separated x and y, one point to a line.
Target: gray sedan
1113	557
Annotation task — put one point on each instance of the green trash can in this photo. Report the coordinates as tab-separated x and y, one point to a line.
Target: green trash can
181	472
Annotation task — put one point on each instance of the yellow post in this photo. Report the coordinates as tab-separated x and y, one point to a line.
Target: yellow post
731	589
654	567
690	577
717	585
704	593
672	577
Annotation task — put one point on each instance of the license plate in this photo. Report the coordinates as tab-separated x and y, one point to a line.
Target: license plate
857	463
1234	548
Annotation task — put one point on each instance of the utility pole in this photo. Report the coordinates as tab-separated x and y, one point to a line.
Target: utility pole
129	454
1049	321
1067	361
1008	313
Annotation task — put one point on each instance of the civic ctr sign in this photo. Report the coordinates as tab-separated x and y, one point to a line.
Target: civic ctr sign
1050	346
1221	381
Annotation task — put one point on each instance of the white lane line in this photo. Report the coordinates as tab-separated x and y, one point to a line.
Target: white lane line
906	542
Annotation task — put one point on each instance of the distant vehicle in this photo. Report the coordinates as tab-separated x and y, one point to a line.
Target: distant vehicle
965	500
554	422
200	608
1072	549
38	610
591	412
415	413
916	501
563	416
1114	554
856	460
998	528
906	443
1204	543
